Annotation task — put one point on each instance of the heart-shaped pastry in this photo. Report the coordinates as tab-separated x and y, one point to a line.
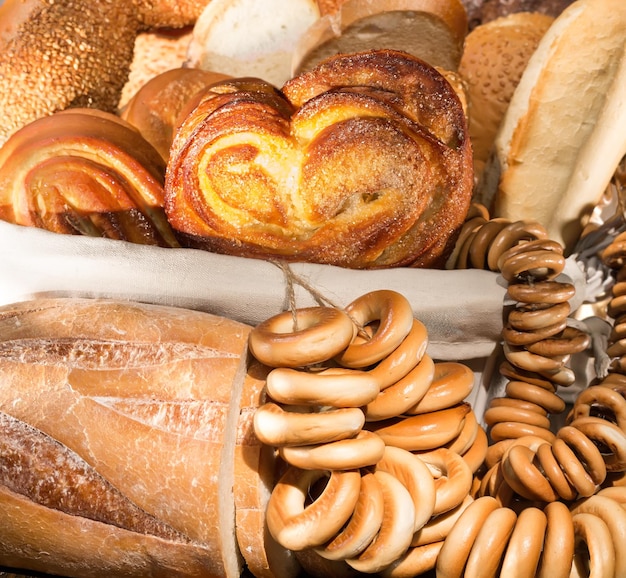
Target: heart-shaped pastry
363	162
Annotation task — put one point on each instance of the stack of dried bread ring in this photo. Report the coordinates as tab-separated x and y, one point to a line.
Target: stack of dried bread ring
570	480
355	400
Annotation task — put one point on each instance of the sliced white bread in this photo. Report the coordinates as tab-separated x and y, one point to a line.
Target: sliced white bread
250	38
564	134
433	30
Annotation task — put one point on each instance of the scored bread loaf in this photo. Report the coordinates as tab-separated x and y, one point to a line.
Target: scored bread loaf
127	443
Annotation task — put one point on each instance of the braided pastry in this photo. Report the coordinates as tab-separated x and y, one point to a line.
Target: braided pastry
363	162
83	171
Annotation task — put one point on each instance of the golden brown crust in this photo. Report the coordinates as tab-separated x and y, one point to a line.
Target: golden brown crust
169	13
433	30
135	413
83	171
363	163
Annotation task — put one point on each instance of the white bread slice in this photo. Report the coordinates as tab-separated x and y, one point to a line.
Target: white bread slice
563	134
433	30
250	38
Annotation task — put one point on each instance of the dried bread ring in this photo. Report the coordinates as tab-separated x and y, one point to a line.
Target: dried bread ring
523	358
467	436
615	518
415	476
512	429
498	413
532	318
362	526
608	436
600	396
335	387
616	493
510	236
490	543
575	471
459	541
539	259
453	478
396	399
476	454
364	449
510	402
276	426
320	333
452	382
438	527
537	394
542	292
416	561
595	534
524	549
558	543
554	473
524	337
524	477
297	526
396	531
571	340
394	315
404	358
586	451
423	432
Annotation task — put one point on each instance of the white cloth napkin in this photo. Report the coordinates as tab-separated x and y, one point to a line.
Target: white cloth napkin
462	310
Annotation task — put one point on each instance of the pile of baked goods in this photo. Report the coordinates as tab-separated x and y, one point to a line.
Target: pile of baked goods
361	162
146	440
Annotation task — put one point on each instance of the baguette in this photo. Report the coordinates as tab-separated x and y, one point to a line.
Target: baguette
562	136
141	415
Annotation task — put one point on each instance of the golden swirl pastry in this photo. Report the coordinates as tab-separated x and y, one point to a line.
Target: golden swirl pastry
83	171
364	162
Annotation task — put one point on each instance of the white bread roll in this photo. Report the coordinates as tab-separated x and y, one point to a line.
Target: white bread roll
250	38
127	442
433	30
563	134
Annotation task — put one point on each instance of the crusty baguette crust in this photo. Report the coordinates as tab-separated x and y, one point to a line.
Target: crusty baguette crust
562	136
158	402
44	540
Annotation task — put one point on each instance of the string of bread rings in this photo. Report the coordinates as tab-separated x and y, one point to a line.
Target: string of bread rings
355	397
437	489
